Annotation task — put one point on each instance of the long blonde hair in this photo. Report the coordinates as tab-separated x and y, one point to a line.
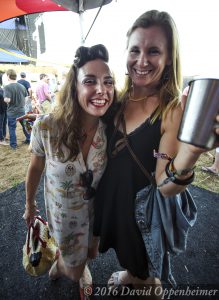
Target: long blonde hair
171	80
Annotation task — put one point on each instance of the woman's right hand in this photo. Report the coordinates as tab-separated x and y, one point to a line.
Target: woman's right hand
29	215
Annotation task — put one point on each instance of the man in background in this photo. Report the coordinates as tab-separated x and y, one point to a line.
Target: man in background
3	116
43	94
14	96
26	84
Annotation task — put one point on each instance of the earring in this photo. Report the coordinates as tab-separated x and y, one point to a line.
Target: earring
166	76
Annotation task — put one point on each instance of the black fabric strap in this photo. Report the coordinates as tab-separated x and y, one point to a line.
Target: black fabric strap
119	144
145	172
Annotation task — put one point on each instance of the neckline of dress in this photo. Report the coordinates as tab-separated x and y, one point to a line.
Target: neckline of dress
142	125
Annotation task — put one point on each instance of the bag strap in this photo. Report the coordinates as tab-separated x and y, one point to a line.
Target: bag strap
40	219
145	172
120	144
120	116
35	233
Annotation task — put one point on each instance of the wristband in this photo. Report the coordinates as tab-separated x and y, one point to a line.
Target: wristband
178	172
178	181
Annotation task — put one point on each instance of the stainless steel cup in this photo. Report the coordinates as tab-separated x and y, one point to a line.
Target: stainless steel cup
198	121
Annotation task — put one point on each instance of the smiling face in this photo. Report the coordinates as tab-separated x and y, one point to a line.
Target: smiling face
95	87
147	56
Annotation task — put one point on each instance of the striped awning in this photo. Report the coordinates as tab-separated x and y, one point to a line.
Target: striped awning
12	56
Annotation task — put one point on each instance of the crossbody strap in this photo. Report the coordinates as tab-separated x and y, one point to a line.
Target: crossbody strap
120	143
145	172
35	233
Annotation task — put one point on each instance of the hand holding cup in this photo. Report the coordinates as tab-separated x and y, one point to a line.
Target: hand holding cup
199	125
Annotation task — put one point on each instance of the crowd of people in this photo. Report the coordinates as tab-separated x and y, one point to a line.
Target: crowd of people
83	146
18	98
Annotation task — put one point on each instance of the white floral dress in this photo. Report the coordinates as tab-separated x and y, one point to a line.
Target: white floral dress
70	217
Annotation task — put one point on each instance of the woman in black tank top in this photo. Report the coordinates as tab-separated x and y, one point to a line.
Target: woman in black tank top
151	110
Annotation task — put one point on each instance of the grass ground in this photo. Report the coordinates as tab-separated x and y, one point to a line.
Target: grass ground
14	164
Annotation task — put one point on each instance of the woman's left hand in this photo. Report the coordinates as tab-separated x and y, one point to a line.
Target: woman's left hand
29	215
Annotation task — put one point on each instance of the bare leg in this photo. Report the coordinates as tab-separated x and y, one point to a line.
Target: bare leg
215	165
214	168
60	269
75	273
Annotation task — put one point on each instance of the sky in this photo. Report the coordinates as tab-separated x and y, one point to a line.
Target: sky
197	22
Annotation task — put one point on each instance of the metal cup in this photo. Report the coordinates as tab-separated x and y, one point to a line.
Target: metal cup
198	121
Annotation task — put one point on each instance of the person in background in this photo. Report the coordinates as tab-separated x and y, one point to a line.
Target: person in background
214	168
14	96
3	118
43	94
4	79
149	117
70	144
26	84
53	87
62	80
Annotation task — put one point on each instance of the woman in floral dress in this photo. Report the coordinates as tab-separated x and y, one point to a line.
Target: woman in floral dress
70	144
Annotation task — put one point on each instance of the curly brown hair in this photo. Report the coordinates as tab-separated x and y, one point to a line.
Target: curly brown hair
67	114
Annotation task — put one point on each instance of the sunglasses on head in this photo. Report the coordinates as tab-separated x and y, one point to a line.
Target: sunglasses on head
86	181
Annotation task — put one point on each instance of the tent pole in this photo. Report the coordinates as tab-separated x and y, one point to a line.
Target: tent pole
81	20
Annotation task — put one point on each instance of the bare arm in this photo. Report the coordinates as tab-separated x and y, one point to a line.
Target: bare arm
34	173
47	93
30	92
185	156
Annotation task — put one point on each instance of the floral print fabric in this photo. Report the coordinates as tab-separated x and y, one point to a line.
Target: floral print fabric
70	217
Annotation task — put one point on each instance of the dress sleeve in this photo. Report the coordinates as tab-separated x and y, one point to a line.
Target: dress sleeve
37	144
